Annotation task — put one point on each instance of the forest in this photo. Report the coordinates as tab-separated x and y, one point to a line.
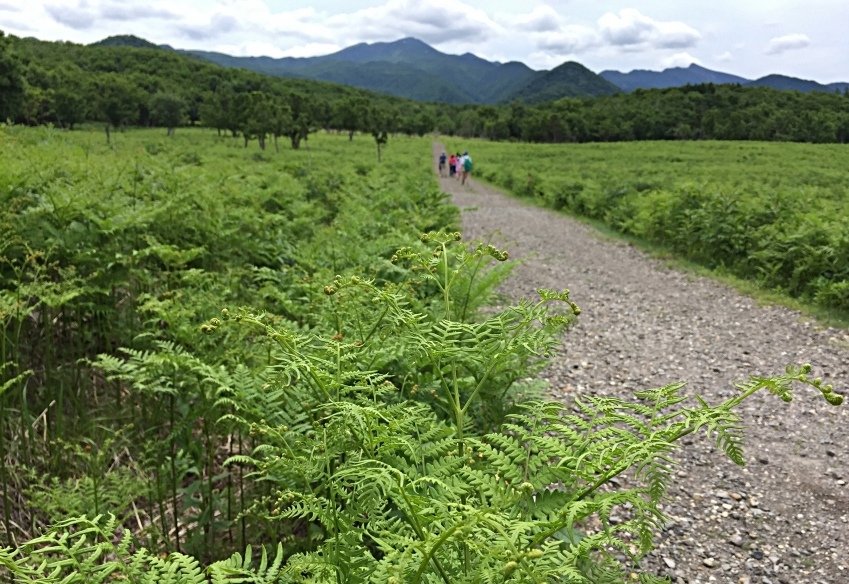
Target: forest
65	84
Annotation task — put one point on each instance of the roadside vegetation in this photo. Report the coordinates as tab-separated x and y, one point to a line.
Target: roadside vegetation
771	214
223	361
227	365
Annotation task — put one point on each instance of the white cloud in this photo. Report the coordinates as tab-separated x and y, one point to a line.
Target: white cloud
680	60
725	57
311	50
632	30
569	39
85	14
78	16
8	7
788	42
124	11
433	21
542	18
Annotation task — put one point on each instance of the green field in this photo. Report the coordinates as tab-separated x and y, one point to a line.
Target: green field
222	364
773	213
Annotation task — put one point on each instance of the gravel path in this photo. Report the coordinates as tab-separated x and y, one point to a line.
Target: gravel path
783	518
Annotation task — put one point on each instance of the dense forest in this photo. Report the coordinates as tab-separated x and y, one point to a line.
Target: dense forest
65	84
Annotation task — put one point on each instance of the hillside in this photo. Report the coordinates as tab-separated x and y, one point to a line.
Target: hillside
697	75
568	80
413	69
786	83
673	77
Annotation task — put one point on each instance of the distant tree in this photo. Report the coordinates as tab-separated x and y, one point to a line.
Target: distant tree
379	124
168	110
37	107
118	101
301	119
350	115
220	110
12	89
280	118
71	98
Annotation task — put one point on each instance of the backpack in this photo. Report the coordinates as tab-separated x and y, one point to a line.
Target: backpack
467	164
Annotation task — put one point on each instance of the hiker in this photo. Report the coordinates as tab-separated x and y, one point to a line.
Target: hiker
466	167
442	159
452	165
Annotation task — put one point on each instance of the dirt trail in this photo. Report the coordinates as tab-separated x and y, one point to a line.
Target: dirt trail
783	518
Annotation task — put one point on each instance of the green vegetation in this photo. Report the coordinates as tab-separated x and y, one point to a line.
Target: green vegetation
229	365
567	80
774	214
122	86
65	84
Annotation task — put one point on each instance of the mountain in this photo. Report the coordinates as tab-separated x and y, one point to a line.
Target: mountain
413	69
794	84
695	75
509	79
125	40
567	80
674	77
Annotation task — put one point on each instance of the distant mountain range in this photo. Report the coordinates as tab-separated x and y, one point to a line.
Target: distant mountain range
695	74
413	69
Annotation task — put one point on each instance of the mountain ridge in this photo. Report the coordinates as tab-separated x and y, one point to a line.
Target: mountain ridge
411	68
696	74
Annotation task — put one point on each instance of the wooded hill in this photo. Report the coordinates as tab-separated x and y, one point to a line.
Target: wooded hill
65	84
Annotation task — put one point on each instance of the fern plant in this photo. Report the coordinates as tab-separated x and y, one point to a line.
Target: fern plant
98	550
532	502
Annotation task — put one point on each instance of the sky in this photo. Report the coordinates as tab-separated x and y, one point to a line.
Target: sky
750	38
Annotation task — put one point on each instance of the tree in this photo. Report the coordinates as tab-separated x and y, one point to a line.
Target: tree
12	87
280	119
379	125
350	115
301	119
167	109
118	101
71	98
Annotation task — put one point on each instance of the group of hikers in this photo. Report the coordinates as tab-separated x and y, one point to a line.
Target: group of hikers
459	165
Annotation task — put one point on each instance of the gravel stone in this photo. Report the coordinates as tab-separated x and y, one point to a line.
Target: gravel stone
644	324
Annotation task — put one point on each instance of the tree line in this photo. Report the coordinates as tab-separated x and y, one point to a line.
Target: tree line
65	84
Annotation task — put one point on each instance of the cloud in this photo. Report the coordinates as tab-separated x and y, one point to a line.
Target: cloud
310	50
8	7
725	57
788	42
79	17
542	18
84	14
433	21
128	12
632	30
16	26
680	60
218	24
569	39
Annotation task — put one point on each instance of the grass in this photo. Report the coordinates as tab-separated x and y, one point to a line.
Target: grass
711	208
